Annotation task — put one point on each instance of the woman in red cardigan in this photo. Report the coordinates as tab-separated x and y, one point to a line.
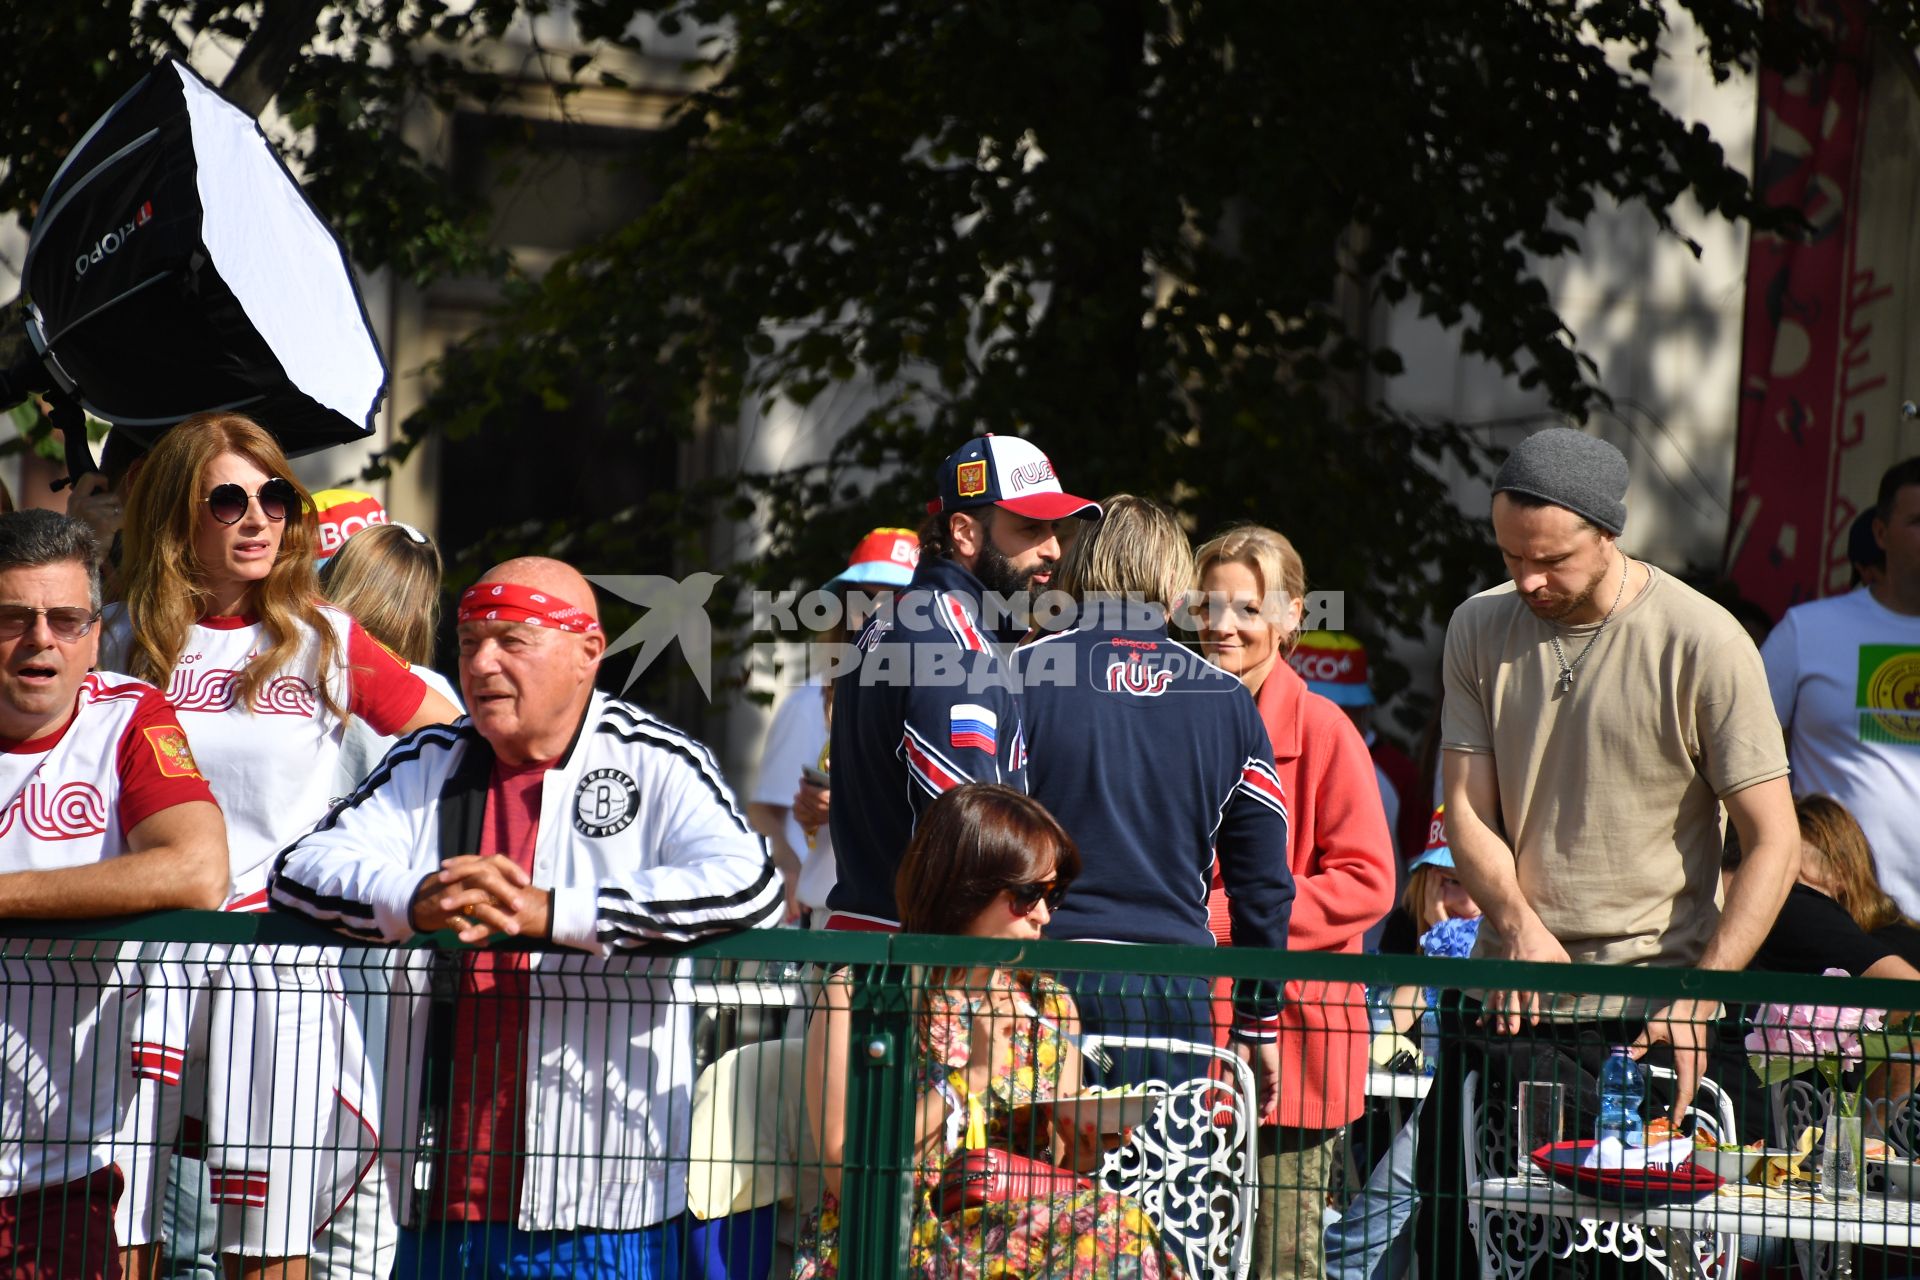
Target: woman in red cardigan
1341	855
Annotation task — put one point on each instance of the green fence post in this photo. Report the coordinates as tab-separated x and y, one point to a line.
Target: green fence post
877	1182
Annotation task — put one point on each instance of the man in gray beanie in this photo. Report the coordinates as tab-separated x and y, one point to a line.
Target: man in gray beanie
1598	714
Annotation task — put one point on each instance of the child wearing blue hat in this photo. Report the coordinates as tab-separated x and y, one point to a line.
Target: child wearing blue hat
1371	1239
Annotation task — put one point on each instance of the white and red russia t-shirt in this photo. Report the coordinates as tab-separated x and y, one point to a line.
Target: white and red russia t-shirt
69	800
272	764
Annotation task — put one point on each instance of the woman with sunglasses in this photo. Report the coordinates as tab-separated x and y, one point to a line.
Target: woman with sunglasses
223	611
985	862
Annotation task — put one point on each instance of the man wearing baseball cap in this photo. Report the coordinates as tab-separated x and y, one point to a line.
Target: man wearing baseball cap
930	706
1009	506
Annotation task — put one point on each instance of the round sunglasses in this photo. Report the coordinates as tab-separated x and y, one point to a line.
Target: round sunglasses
228	502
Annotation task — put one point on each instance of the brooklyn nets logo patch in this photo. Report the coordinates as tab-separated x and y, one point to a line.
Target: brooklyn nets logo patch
605	803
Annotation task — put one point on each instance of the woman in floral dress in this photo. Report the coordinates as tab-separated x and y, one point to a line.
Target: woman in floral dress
986	862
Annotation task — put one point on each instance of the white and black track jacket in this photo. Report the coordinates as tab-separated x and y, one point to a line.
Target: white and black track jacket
639	841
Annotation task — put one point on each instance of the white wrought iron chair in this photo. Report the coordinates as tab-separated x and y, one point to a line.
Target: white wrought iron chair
1512	1239
1798	1103
1193	1166
1900	1122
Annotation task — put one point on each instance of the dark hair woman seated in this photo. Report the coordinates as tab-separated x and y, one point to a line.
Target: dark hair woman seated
985	862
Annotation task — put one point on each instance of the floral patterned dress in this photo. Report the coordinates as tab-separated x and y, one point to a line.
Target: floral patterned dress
1081	1235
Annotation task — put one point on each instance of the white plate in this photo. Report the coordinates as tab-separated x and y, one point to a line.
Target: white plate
1901	1177
1734	1166
1106	1112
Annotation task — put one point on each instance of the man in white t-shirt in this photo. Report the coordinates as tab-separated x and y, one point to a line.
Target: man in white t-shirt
1845	675
102	812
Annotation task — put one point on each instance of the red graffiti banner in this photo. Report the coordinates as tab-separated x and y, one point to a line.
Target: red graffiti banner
1797	350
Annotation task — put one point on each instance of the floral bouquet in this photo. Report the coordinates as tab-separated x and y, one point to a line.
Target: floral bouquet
1788	1038
1844	1045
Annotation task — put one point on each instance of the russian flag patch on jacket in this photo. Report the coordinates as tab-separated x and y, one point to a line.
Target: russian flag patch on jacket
972	725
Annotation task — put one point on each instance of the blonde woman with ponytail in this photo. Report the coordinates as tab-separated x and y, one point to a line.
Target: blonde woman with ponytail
222	610
387	577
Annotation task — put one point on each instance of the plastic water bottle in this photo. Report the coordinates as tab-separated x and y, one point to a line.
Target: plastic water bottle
1623	1088
1380	1007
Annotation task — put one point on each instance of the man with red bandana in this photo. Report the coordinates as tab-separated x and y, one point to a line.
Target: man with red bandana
553	813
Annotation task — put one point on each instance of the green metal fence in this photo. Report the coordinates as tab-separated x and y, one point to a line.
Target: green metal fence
716	1070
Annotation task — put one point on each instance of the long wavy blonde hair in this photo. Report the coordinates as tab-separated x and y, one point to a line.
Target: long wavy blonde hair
167	589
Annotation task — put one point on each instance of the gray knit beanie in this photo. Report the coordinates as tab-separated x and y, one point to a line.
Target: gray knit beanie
1570	469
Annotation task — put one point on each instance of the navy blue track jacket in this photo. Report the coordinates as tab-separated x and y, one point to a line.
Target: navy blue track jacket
1156	761
931	706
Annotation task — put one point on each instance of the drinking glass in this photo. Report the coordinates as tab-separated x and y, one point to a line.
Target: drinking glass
1538	1115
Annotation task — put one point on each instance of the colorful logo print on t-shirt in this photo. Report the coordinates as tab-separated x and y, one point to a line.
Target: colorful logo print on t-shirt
1888	694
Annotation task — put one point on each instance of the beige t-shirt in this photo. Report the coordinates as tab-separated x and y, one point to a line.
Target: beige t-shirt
1610	792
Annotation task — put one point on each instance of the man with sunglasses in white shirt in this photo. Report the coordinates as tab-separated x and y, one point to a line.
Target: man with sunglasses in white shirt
102	812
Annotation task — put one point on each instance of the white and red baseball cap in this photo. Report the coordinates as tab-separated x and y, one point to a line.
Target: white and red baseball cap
1006	471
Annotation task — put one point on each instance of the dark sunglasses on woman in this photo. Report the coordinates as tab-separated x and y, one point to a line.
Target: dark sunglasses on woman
228	502
1027	896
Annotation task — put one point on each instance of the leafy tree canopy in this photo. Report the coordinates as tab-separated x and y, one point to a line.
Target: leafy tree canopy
341	75
1148	234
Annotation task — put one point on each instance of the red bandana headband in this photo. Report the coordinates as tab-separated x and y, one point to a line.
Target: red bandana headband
511	602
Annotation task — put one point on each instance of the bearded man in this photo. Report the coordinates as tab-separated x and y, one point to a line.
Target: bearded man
931	704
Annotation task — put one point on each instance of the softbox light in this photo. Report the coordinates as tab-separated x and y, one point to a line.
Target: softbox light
176	267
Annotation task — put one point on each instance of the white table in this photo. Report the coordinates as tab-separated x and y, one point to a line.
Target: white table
1405	1086
1872	1220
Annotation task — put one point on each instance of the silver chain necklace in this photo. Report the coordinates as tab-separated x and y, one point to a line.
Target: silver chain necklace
1568	668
